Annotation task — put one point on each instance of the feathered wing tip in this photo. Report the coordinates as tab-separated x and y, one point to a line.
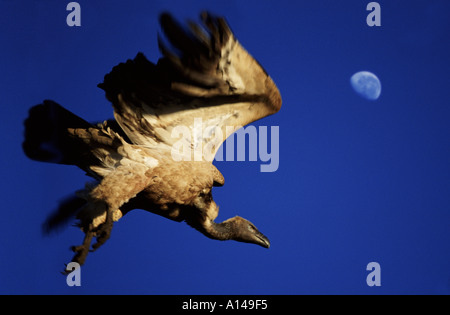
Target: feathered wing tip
198	47
197	53
132	75
41	136
46	136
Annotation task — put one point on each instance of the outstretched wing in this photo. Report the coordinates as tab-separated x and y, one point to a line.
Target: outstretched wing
194	97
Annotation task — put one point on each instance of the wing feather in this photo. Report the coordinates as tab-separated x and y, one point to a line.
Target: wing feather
207	77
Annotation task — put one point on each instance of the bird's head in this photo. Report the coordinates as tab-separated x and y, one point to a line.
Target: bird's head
243	230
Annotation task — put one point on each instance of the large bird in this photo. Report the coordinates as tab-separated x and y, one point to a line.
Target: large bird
205	87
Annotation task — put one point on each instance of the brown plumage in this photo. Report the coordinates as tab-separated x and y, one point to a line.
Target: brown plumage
211	78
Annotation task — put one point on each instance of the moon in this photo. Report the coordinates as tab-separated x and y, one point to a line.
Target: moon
366	84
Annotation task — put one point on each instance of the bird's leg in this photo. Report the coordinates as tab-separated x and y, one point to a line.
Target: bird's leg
96	220
93	229
103	232
105	199
82	250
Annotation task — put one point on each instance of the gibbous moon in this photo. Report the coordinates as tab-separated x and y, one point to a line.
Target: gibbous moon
366	84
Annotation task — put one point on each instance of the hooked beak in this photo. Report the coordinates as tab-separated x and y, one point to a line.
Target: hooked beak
262	240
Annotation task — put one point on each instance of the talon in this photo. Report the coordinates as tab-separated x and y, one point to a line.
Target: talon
65	272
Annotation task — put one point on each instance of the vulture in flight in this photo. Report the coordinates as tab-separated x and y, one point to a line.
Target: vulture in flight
204	74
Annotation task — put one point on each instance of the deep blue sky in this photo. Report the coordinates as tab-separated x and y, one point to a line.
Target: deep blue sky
359	181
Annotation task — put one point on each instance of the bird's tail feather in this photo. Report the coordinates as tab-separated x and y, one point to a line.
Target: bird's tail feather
67	210
46	134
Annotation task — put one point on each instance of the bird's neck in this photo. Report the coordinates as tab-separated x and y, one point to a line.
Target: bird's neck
219	231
